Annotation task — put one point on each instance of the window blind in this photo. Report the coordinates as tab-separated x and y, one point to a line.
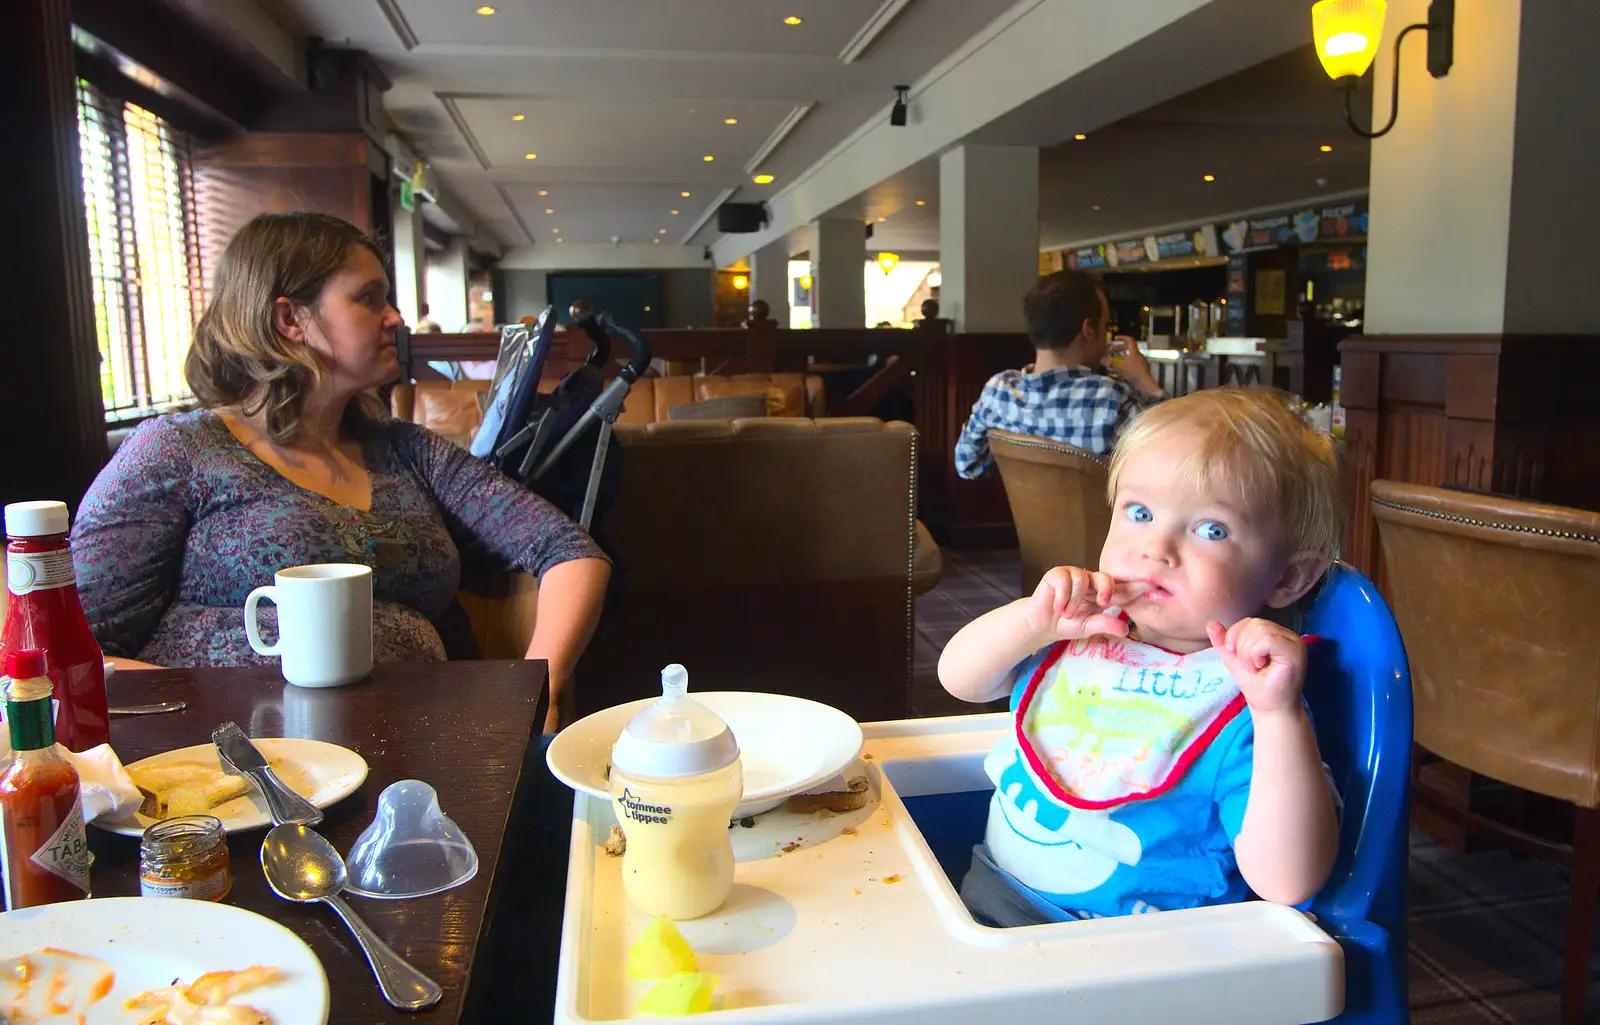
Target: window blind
144	255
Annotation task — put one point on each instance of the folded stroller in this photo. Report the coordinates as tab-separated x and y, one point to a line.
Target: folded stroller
558	444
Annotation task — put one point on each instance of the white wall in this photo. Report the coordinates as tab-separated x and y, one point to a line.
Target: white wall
604	257
1440	193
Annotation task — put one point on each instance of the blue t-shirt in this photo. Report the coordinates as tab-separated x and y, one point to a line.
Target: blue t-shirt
1170	851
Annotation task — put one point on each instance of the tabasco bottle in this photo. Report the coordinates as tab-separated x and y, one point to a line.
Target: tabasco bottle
45	613
43	849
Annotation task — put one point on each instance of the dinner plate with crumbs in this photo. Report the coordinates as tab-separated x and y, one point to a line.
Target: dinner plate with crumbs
137	961
192	781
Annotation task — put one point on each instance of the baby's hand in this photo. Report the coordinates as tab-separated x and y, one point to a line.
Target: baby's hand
1267	661
1070	603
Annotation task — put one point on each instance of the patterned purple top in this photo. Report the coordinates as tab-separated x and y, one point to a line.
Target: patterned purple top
185	521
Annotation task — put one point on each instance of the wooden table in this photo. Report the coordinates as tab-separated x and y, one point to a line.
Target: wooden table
467	728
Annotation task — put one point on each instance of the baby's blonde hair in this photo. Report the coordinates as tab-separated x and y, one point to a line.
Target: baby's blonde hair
1250	444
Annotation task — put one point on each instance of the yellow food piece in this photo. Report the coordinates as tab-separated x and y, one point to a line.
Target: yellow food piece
187	801
683	993
661	952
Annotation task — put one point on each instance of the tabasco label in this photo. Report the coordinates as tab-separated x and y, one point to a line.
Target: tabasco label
66	853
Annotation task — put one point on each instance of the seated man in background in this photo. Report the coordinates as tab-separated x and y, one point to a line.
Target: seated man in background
1062	395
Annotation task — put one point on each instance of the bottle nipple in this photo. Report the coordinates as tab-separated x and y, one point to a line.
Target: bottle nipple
674	682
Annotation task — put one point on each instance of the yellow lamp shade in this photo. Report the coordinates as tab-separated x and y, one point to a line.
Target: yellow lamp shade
1347	33
741	282
888	261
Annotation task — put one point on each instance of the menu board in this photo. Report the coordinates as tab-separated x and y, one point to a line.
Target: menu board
1236	295
1086	258
1297	227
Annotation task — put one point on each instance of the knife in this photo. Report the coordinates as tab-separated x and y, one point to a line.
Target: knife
243	757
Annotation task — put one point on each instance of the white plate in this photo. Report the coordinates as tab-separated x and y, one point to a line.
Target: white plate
149	942
787	745
322	773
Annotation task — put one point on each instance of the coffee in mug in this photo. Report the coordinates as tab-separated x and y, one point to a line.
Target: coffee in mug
324	623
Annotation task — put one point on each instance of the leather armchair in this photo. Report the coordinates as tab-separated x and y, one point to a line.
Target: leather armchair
1494	597
1058	502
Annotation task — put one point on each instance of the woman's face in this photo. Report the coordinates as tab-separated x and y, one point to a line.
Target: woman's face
352	325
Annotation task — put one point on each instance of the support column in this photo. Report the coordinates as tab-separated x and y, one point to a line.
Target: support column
988	234
410	262
838	272
58	439
447	286
769	280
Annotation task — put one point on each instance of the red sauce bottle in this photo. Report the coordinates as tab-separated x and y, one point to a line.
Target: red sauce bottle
45	613
43	849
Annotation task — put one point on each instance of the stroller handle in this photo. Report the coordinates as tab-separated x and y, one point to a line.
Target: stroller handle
600	327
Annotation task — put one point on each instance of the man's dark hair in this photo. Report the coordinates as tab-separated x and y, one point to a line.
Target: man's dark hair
1057	306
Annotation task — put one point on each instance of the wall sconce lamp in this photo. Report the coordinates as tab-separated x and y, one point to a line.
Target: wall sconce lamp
897	114
1347	33
887	262
741	282
805	282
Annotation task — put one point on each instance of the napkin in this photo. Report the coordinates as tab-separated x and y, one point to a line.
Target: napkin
106	789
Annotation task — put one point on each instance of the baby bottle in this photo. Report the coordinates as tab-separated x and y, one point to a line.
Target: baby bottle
675	780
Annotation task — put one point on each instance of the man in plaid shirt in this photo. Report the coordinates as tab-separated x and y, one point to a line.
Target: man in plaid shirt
1060	396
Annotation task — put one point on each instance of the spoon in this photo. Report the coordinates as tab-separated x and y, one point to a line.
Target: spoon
303	867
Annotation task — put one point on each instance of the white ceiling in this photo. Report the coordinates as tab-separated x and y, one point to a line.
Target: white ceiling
1258	133
624	98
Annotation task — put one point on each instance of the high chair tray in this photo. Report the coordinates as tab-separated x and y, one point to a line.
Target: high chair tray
849	918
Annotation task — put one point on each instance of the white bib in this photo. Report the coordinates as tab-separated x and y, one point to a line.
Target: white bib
1106	720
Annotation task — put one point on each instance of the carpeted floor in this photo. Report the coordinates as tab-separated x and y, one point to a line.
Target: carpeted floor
1486	928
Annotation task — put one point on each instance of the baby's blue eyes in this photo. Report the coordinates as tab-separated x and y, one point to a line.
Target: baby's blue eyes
1138	513
1211	530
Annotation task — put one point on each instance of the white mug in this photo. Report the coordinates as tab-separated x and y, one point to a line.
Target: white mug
324	623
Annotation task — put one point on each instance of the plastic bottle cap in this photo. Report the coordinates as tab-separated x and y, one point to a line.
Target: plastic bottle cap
675	736
36	519
25	663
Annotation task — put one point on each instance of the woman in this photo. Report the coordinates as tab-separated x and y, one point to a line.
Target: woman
292	461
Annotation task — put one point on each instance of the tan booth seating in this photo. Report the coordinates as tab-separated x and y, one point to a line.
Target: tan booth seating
1058	502
729	573
1495	602
451	408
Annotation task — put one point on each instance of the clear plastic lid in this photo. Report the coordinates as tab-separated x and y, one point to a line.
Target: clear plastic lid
675	736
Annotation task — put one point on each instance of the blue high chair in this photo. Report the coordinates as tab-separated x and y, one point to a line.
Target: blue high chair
1359	688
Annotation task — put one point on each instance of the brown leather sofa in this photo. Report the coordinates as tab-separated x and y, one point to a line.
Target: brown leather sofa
1495	602
451	408
731	575
1057	494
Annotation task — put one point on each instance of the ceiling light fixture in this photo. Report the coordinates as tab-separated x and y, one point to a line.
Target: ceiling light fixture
897	114
741	282
1347	33
656	241
922	202
549	210
708	158
685	195
1080	137
1325	148
674	213
560	240
730	120
519	117
1209	177
791	20
762	179
1095	207
530	156
663	231
555	231
888	261
486	10
544	192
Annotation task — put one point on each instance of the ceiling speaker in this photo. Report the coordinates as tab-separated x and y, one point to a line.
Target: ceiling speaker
741	218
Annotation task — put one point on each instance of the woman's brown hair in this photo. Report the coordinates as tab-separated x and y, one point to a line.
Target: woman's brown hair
238	357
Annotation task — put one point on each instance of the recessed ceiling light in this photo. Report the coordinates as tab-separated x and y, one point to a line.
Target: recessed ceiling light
544	192
519	117
530	156
560	240
882	219
762	179
555	231
663	231
730	120
486	10
1210	177
708	158
1095	207
685	195
1080	137
1325	148
922	202
791	20
674	213
549	210
656	241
